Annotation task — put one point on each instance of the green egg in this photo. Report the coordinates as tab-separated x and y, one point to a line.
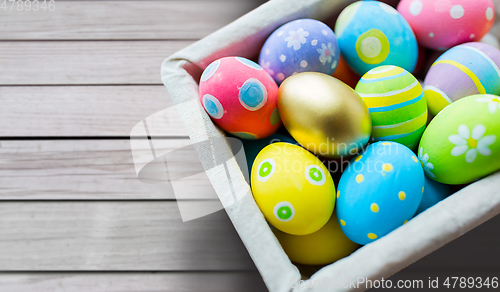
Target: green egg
462	143
396	103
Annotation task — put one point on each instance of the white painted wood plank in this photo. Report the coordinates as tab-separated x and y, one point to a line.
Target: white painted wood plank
115	236
76	111
84	170
130	20
82	63
133	282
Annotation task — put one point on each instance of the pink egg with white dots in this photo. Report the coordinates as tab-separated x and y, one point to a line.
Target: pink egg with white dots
442	24
240	97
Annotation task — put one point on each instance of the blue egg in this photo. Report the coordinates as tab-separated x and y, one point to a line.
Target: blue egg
372	34
434	192
303	45
379	191
253	147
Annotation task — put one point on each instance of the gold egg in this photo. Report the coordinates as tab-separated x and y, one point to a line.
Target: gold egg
324	115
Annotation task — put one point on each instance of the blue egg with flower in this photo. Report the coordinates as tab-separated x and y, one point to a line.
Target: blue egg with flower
303	45
379	191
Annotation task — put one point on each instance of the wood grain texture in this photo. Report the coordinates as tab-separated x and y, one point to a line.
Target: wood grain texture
123	20
92	43
84	170
133	282
115	236
76	111
149	236
82	63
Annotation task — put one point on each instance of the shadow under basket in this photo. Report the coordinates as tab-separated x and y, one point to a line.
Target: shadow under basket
427	232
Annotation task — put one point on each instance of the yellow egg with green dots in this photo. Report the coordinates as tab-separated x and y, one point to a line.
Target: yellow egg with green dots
397	105
292	188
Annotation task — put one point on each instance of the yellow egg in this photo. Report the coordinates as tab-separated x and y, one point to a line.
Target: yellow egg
292	188
325	246
324	115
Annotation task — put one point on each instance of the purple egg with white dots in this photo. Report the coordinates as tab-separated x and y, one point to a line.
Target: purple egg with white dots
303	45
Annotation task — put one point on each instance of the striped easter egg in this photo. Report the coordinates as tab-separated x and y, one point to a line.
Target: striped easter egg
467	69
396	103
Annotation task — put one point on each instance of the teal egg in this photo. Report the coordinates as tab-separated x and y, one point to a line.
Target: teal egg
434	193
372	33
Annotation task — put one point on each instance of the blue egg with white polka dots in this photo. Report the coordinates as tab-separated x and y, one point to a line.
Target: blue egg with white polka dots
303	45
379	191
373	34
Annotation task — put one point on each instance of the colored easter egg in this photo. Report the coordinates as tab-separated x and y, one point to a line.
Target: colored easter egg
303	45
434	193
371	34
253	147
440	25
325	246
464	70
292	188
323	114
396	103
345	74
462	143
379	191
240	97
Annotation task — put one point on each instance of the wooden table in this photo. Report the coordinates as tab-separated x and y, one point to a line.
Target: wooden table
73	216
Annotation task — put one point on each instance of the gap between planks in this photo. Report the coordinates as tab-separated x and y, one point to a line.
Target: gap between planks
134	20
116	236
84	63
150	236
89	170
132	282
80	111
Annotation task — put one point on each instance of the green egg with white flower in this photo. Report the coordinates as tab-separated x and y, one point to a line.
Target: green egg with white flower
462	143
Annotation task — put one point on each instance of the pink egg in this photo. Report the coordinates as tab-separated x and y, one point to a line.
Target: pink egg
442	24
240	97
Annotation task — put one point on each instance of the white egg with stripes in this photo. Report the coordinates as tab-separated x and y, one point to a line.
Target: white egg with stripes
396	103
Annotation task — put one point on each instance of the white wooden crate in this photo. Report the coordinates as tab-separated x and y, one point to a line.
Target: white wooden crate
427	232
